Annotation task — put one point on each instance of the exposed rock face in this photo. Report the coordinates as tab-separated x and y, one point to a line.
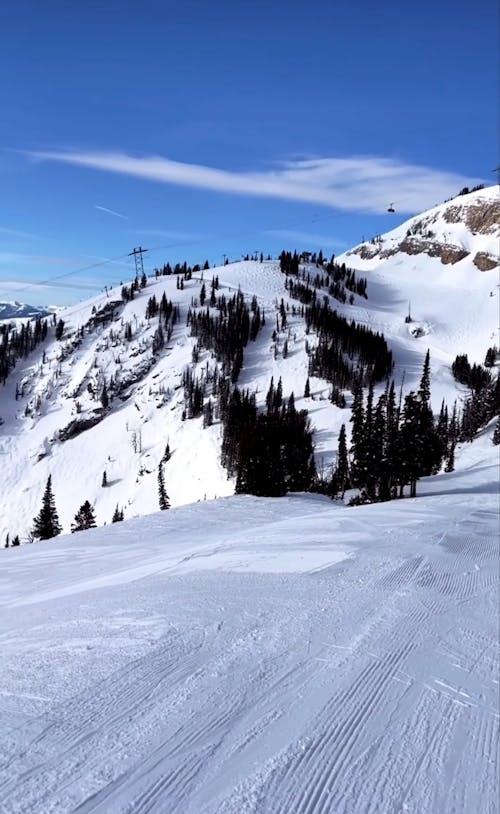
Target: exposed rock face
480	218
485	262
445	251
79	425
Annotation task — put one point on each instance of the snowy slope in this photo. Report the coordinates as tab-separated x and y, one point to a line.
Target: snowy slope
450	303
258	656
453	301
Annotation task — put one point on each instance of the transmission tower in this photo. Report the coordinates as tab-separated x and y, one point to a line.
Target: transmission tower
137	255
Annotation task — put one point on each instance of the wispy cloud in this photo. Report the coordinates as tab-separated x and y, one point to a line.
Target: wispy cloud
357	183
110	212
306	240
4	230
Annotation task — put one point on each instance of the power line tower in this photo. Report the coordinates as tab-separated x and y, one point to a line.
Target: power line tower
139	265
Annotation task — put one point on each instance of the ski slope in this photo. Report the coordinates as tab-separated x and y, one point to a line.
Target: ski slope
264	656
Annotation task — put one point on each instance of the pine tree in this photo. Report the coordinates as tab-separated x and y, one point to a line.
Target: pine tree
59	329
163	498
342	468
15	541
118	515
46	524
270	396
390	467
357	437
104	481
208	414
450	463
307	389
84	518
424	391
367	461
104	397
411	443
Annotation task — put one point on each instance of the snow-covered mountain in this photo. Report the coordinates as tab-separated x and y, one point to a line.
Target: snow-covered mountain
10	311
53	421
250	655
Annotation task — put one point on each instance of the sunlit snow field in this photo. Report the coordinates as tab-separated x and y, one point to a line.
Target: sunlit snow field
283	656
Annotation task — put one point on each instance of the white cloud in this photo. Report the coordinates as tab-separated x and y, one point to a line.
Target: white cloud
358	183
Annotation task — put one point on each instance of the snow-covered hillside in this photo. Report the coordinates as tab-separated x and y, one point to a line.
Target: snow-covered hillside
454	307
260	656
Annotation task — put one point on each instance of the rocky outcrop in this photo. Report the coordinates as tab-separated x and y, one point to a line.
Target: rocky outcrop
481	218
485	262
79	425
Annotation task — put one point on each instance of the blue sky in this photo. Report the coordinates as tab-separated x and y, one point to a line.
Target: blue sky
197	129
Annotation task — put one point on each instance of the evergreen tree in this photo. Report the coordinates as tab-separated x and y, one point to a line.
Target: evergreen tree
307	389
390	469
342	468
450	463
270	396
278	396
15	541
357	437
104	397
376	444
203	295
117	515
208	414
46	524
163	498
59	329
104	481
84	518
410	448
424	391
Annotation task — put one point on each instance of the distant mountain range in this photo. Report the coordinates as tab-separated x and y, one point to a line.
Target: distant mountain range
20	310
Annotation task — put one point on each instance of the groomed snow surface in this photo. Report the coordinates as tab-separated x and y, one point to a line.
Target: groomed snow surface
287	656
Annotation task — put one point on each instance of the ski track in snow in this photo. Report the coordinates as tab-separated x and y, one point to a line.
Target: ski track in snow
369	685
